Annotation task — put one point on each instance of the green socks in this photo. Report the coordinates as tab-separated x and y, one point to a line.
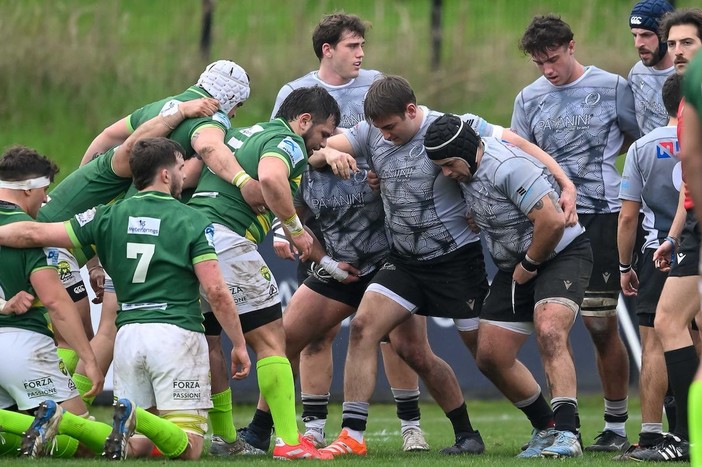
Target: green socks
221	419
83	384
694	409
275	380
91	433
166	435
69	357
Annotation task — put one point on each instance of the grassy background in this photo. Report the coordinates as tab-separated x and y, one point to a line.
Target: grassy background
68	68
504	430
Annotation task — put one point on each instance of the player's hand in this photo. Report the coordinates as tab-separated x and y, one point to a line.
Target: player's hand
341	163
241	363
629	282
18	304
97	282
354	274
663	257
303	244
92	371
567	202
522	276
373	181
199	107
251	191
283	249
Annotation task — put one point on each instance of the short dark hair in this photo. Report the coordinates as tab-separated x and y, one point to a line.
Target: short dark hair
388	95
691	16
545	33
671	92
331	28
20	163
149	155
314	100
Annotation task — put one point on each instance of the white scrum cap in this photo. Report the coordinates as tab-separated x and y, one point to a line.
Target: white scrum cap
227	82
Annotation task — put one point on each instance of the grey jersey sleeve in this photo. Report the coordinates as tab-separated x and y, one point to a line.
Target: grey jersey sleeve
519	123
282	94
626	112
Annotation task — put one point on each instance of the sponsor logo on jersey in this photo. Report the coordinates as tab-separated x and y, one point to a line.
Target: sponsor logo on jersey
567	284
593	98
64	271
265	272
570	122
79	289
605	276
681	257
52	256
635	20
292	149
234	143
85	217
471	304
667	149
144	226
209	235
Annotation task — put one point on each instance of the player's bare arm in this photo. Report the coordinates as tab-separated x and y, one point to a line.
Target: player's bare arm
568	194
549	223
208	142
273	175
626	237
220	298
160	125
112	136
66	320
28	234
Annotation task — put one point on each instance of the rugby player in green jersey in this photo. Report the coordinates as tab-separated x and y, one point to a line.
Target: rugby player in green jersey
31	370
275	153
161	360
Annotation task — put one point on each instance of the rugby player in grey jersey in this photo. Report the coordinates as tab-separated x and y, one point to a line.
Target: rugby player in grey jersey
314	314
646	77
543	270
425	273
651	180
583	116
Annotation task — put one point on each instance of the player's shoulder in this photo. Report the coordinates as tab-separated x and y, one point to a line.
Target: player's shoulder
657	135
304	81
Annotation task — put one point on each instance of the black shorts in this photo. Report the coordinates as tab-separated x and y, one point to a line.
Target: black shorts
561	279
687	257
348	294
651	281
601	229
450	286
249	321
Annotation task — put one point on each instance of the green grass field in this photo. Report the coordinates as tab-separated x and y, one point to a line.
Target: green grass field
503	428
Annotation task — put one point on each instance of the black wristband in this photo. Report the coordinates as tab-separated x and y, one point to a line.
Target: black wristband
624	267
529	266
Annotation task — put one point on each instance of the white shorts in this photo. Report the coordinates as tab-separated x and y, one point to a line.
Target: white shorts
251	282
163	366
31	370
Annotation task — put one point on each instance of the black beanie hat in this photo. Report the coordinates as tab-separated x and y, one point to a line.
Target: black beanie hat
449	136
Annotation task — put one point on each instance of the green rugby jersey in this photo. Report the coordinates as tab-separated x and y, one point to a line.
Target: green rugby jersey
149	244
184	132
16	267
223	203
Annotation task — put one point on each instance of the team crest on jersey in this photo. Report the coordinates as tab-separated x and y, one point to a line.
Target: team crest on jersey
251	130
64	270
292	149
209	235
144	226
170	108
85	217
265	272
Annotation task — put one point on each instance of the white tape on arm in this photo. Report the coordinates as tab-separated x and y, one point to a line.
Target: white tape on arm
332	267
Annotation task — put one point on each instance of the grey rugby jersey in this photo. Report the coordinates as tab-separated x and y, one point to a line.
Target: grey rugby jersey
425	211
652	176
504	189
582	125
349	96
646	83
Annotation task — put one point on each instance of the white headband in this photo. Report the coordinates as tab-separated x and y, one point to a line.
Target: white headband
30	184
